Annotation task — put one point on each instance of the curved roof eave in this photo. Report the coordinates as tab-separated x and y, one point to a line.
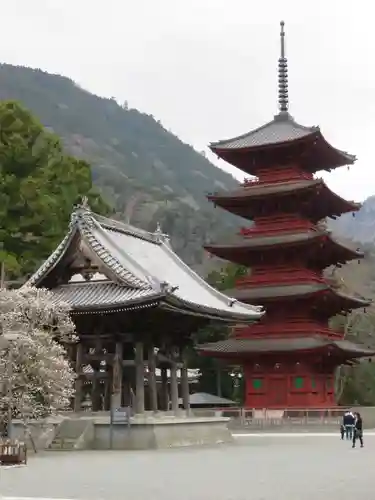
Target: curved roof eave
283	129
240	313
52	261
254	242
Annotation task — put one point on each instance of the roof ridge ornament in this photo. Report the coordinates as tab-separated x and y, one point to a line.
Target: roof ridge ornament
84	204
283	75
160	236
81	208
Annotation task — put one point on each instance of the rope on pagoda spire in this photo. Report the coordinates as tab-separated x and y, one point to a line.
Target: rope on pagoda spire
283	73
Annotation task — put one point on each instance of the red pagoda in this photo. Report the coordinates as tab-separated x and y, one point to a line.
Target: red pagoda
290	356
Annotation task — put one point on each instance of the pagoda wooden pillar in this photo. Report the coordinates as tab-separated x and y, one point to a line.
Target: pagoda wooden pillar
152	378
78	382
117	376
164	391
185	384
139	379
174	387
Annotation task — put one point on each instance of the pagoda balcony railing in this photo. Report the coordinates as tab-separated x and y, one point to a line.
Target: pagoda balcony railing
287	329
278	174
278	277
276	226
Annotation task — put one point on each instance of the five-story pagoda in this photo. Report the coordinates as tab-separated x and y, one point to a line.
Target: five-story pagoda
290	356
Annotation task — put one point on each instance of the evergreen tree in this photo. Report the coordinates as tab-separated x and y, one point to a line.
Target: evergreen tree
39	187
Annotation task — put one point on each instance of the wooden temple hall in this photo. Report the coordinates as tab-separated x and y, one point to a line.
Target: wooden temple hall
135	305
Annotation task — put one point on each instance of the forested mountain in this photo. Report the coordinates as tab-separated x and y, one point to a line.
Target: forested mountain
143	170
361	226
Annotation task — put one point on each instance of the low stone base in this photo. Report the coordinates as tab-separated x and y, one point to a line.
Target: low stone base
147	433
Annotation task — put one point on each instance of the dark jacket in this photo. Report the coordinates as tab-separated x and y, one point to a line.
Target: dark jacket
358	424
348	419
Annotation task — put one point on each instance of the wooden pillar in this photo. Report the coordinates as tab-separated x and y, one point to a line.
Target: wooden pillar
164	392
117	376
152	378
218	379
139	379
174	387
185	385
95	391
79	381
107	393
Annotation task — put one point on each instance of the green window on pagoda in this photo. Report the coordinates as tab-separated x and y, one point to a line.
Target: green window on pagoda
257	383
298	382
313	383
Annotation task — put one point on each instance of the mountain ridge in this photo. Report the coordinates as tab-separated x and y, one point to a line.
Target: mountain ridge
147	173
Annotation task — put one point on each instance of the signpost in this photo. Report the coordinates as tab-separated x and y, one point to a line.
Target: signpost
119	416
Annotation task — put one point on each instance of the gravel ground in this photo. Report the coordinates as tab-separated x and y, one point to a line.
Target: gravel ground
268	467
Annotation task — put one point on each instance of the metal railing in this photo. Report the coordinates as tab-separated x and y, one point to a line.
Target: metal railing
266	418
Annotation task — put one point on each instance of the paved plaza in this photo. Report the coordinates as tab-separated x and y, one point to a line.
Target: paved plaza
268	467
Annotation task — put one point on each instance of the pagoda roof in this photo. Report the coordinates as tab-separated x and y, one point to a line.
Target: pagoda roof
242	201
139	267
260	189
283	128
291	291
234	346
256	241
280	131
256	190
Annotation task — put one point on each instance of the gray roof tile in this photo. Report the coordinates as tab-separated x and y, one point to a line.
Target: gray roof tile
295	290
99	294
256	241
233	345
281	129
145	261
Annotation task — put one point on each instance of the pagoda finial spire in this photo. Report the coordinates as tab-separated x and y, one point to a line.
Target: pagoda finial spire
283	74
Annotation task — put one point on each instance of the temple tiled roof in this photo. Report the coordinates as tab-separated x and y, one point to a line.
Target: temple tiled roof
101	294
255	242
280	188
277	291
140	265
257	189
295	290
281	129
248	200
271	345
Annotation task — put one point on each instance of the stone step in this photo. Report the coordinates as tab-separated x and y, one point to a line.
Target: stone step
71	429
62	444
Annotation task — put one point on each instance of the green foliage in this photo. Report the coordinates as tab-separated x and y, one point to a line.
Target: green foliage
359	387
39	187
356	384
226	277
146	172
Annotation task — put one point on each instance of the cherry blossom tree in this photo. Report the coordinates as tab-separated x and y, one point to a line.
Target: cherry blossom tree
35	360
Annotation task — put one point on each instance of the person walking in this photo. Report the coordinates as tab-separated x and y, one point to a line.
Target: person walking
348	424
358	430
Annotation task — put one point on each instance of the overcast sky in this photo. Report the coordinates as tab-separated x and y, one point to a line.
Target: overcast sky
208	68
